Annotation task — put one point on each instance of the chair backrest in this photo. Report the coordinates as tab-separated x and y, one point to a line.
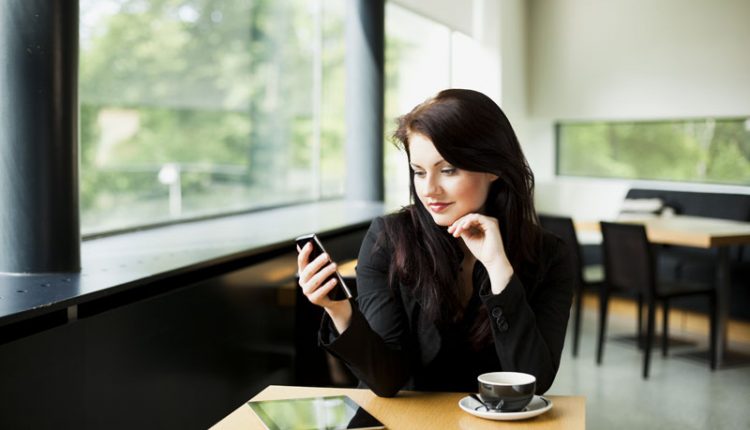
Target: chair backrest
563	228
628	258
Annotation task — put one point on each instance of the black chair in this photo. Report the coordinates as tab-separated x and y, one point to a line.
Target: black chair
630	266
589	277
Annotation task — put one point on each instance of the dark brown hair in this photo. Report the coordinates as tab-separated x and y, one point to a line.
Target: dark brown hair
472	133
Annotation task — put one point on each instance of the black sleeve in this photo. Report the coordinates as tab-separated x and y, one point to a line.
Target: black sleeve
529	330
375	345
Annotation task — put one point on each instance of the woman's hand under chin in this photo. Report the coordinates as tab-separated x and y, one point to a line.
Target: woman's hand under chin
481	234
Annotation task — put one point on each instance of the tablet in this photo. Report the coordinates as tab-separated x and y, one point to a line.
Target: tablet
314	413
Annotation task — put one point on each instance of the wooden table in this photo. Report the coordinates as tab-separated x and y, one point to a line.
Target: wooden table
697	232
415	410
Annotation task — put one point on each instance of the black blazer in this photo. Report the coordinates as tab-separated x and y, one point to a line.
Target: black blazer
387	340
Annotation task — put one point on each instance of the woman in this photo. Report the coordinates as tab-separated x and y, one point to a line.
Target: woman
461	282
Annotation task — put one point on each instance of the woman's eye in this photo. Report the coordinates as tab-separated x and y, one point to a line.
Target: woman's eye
449	171
419	174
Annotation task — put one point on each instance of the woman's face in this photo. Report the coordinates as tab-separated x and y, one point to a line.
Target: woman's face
447	192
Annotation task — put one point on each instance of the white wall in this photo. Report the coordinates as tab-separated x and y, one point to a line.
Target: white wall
628	59
639	58
513	70
457	15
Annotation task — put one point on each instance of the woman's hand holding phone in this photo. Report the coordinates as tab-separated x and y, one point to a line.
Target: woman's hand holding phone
312	276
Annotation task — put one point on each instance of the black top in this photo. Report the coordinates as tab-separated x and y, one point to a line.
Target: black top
389	347
449	368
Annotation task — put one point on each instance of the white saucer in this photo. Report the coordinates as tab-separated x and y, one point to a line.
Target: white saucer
538	406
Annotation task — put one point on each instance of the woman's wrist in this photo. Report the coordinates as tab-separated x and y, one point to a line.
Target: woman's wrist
341	314
500	277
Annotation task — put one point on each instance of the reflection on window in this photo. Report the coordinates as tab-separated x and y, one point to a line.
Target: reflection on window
193	108
711	151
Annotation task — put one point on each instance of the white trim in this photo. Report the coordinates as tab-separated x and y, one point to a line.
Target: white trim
506	378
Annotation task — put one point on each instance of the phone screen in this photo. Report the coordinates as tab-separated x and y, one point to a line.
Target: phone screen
340	291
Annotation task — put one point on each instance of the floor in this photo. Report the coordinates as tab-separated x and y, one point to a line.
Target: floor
680	394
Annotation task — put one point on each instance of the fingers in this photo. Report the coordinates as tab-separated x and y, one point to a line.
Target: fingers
303	255
314	282
316	293
470	223
307	269
320	296
310	271
313	276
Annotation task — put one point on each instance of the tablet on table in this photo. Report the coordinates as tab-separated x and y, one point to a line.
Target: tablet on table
314	413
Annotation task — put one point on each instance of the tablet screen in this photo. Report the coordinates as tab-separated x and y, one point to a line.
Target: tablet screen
315	413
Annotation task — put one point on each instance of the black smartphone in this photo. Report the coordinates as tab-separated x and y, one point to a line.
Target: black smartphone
340	291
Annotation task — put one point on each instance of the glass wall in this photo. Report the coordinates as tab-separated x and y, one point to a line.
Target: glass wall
701	150
191	108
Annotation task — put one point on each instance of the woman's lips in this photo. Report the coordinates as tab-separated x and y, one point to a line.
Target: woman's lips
438	207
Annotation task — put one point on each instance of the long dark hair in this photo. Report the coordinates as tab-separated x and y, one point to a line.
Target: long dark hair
472	133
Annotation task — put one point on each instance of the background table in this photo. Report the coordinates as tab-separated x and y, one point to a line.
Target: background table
696	232
415	410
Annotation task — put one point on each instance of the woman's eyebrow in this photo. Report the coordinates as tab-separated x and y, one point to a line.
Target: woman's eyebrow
413	165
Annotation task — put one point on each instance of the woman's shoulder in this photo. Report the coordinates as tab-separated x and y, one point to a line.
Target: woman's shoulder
549	248
395	221
550	240
552	257
378	234
555	254
551	245
385	233
400	217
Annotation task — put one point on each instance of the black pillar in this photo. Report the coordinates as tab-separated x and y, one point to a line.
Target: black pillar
365	58
39	224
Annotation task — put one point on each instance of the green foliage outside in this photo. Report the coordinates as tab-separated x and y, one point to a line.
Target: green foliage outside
221	88
714	151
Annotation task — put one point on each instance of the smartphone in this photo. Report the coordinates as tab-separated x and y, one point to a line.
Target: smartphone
340	291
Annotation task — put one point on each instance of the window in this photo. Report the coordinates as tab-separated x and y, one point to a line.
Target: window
194	108
706	150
